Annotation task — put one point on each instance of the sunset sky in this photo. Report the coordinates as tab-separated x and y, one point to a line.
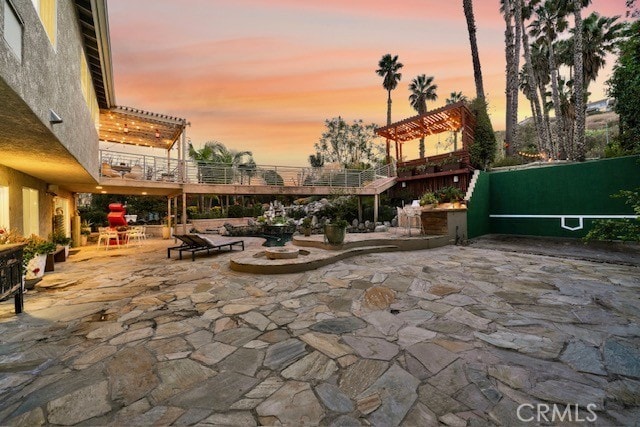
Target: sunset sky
263	75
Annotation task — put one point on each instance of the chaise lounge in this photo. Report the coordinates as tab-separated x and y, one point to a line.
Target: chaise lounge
194	243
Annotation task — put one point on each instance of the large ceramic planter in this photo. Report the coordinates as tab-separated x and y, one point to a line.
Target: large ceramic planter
166	233
35	267
334	234
83	239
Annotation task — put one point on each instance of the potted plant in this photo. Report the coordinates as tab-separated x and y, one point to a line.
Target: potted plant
166	230
428	200
35	256
84	236
449	197
404	171
335	231
451	163
59	239
305	226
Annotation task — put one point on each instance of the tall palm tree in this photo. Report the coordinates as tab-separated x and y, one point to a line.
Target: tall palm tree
542	125
456	97
512	54
579	149
422	90
452	99
467	5
550	21
388	69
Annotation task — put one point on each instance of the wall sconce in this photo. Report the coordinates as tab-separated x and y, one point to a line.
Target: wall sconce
404	184
157	134
126	128
54	118
455	178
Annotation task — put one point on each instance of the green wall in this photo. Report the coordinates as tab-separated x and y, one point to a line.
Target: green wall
571	189
478	207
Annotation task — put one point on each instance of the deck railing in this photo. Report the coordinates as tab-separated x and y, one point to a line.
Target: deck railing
163	169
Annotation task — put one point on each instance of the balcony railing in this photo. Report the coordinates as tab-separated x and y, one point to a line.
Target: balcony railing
152	168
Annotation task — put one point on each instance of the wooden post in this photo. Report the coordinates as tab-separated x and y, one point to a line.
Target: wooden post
184	213
359	208
175	210
376	202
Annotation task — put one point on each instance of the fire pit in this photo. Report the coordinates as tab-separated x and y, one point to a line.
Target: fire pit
281	253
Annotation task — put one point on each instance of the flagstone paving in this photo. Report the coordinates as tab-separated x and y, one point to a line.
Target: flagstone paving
458	336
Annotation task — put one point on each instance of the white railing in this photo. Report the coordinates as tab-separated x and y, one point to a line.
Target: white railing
163	169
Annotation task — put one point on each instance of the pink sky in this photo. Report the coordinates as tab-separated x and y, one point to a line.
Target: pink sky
263	75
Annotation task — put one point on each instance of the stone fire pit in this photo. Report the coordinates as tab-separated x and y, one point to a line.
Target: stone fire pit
281	253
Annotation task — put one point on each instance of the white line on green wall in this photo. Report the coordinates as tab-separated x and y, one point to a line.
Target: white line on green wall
563	218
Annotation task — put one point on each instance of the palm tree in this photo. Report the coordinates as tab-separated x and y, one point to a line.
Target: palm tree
389	68
579	148
452	99
471	27
549	23
422	90
512	53
456	97
542	125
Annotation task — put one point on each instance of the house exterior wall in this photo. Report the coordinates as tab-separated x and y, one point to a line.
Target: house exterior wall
16	180
48	77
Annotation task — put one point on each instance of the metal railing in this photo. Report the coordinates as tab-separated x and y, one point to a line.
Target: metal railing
162	169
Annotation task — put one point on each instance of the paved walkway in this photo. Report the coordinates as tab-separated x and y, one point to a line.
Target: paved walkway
455	335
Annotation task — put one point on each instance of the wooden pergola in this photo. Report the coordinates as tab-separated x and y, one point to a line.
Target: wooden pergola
453	117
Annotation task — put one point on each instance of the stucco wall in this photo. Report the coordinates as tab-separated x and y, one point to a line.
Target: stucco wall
48	77
16	181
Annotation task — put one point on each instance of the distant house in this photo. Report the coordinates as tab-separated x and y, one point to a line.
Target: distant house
600	106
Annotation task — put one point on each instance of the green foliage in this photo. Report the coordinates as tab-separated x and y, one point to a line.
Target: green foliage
272	177
483	149
58	237
626	230
508	161
428	198
624	86
36	246
449	194
316	160
347	144
235	211
339	223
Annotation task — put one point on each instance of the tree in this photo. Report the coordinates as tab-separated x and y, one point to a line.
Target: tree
483	149
550	21
467	5
217	164
624	86
579	149
346	144
316	160
422	90
456	97
512	34
388	69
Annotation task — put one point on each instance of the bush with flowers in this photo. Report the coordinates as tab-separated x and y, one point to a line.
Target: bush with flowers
35	245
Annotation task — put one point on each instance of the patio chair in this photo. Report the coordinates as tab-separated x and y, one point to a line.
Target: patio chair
202	244
108	234
135	173
187	242
107	171
134	233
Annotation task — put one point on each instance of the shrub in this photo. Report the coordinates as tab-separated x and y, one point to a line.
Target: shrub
235	211
483	149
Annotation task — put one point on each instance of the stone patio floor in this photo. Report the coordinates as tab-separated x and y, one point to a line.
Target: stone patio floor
453	336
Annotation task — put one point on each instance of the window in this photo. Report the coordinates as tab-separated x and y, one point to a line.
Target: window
30	212
12	29
87	90
47	10
4	207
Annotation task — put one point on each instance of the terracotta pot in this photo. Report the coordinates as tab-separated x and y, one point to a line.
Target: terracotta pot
334	234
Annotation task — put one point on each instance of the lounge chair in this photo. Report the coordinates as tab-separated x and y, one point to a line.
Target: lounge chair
187	242
194	243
